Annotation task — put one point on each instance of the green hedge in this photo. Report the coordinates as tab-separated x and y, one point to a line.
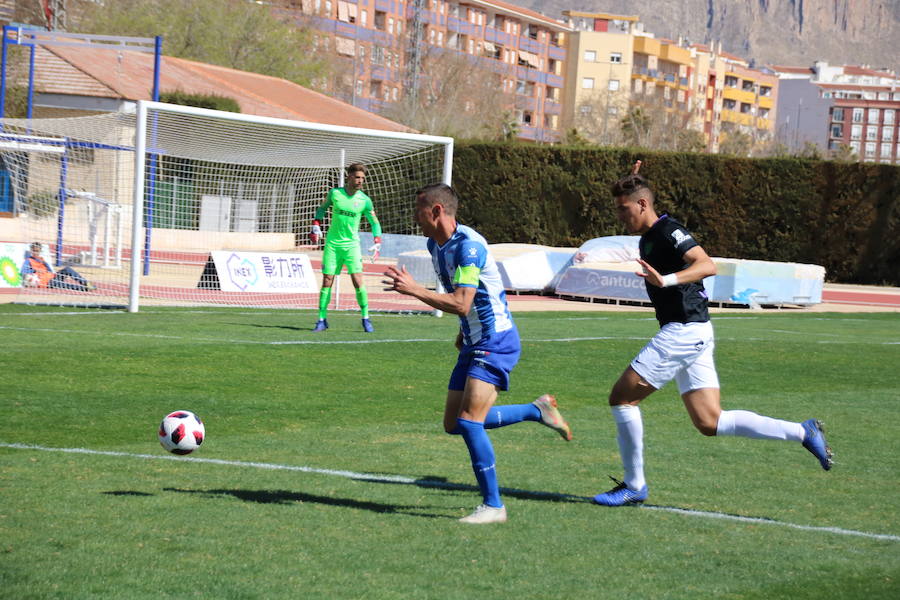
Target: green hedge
843	216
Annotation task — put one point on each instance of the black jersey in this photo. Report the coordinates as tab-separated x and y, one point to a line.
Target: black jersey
663	246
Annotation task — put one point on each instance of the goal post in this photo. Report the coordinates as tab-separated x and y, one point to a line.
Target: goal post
203	207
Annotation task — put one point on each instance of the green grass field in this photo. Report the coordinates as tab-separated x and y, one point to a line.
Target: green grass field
326	473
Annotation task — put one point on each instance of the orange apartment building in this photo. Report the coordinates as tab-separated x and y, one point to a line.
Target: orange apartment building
380	44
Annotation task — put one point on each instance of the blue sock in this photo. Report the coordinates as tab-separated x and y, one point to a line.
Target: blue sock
509	414
482	454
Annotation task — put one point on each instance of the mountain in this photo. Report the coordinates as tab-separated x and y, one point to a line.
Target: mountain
784	32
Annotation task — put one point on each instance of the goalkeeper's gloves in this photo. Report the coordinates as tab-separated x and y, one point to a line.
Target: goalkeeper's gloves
375	249
315	232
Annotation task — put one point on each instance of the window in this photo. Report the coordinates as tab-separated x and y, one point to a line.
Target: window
613	85
855	132
887	134
590	56
527	117
729	104
745	108
364	18
885	150
764	113
747	85
889	116
612	110
837	131
765	90
380	20
587	83
585	109
855	147
857	115
390	27
870	149
731	81
873	115
871	133
837	114
615	57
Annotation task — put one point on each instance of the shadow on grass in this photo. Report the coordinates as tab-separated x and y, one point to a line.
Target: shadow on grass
441	483
125	493
288	327
288	497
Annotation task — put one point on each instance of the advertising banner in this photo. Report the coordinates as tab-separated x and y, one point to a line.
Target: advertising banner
266	272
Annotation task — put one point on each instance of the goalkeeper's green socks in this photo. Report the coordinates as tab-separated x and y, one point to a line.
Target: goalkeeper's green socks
362	298
324	301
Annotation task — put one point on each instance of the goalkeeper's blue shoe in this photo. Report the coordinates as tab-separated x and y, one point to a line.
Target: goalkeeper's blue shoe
621	495
367	326
814	441
321	325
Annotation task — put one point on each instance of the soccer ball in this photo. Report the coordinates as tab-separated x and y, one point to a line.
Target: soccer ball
181	432
32	280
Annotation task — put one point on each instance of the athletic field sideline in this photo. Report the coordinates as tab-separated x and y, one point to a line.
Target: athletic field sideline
325	472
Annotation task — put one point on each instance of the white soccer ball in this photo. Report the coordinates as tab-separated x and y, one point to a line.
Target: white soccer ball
181	432
32	280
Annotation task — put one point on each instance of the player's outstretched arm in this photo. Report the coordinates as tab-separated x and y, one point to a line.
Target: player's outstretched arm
457	302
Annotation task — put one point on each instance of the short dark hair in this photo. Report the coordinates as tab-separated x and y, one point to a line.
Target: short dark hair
630	184
440	193
36	245
354	167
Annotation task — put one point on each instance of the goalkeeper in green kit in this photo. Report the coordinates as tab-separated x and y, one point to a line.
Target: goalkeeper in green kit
348	204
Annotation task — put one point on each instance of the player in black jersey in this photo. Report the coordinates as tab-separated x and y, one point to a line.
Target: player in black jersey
673	267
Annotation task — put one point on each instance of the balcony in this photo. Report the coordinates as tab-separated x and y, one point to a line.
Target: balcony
552	108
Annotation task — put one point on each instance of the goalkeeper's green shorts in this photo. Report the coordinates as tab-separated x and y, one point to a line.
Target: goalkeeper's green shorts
334	259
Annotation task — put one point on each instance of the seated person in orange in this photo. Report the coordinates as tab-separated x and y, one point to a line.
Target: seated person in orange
66	278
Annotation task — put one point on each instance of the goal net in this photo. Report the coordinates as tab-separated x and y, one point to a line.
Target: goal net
223	204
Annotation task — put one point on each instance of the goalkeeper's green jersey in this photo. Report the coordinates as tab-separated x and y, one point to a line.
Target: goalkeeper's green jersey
346	212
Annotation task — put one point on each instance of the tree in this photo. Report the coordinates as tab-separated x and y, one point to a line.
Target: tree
735	141
455	96
596	116
844	153
656	122
230	33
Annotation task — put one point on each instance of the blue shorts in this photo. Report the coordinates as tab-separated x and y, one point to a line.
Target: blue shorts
489	360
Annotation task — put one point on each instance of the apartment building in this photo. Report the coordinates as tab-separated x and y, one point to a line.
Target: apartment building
381	45
600	53
836	107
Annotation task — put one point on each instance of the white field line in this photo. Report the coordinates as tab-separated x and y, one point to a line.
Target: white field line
440	484
392	341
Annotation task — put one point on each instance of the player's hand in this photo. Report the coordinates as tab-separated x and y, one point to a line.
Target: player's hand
375	249
315	232
459	341
398	280
636	167
649	274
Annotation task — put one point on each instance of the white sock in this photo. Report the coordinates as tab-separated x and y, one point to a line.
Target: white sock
630	436
744	423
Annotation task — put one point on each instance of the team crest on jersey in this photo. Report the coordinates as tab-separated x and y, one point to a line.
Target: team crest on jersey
680	236
473	252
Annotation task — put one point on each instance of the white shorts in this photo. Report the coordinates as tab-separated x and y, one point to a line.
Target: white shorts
679	351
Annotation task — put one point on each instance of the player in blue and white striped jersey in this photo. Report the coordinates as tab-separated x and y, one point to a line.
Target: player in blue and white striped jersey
488	341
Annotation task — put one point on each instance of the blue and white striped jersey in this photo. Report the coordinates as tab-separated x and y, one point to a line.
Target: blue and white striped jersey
464	261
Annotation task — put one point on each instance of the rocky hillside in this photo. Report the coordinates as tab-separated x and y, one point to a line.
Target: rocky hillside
793	32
